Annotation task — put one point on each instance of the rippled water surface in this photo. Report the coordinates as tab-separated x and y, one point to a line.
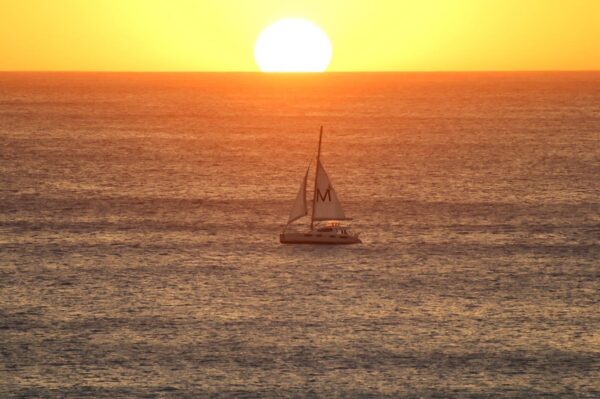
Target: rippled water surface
139	221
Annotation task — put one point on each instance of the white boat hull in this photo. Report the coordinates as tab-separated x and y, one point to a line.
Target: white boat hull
315	237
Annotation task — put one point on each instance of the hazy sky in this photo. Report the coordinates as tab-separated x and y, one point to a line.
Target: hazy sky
367	35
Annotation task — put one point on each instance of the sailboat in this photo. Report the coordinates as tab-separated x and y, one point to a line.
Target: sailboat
326	214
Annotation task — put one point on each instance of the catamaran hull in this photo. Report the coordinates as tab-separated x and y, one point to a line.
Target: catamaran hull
318	238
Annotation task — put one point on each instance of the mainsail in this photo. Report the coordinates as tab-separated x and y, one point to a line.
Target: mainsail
299	209
326	203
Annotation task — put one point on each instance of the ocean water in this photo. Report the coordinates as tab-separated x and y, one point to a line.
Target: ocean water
139	221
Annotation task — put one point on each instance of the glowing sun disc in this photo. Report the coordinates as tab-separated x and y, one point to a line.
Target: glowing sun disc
292	45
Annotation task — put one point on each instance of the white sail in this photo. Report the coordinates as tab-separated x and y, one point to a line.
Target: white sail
326	203
299	209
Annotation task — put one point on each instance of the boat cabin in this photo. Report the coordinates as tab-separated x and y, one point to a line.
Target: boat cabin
332	227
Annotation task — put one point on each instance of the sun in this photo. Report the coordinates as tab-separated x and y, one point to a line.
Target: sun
292	45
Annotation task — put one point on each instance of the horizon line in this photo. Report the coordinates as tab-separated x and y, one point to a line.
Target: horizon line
307	73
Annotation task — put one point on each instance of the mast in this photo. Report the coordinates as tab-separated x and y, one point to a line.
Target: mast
312	216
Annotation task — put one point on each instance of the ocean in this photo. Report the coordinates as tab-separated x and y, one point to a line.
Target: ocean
140	214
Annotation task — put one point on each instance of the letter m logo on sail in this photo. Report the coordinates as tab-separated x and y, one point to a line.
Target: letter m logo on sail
322	197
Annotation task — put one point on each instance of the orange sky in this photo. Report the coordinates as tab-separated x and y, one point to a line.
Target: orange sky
374	35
